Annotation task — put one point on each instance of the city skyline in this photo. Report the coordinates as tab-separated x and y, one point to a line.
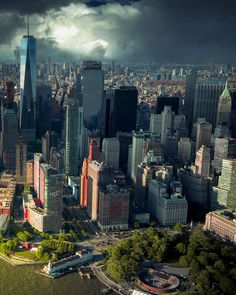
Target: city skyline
122	30
117	147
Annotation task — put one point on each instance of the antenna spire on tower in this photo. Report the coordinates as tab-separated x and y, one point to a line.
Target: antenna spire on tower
28	26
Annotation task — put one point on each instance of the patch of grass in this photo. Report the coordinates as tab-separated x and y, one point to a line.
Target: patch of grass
44	258
25	254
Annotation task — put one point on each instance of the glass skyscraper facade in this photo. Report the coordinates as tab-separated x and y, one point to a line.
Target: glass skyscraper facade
28	86
92	82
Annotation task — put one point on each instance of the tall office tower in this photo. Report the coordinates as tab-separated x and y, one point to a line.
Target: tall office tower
206	97
81	120
46	214
28	87
223	114
125	139
9	137
189	97
170	147
57	159
152	145
30	172
167	122
94	152
21	158
197	189
98	175
49	140
155	124
9	91
180	126
164	101
111	152
72	138
146	171
43	109
203	136
106	113
224	148
113	208
223	195
123	110
233	109
51	184
203	161
166	202
136	153
143	116
184	150
38	159
94	155
144	174
83	144
92	82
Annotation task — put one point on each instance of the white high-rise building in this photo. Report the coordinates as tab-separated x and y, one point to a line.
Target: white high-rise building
155	124
184	149
167	208
167	122
111	151
136	152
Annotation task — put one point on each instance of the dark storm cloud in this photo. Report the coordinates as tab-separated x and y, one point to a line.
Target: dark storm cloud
147	29
32	6
9	25
186	29
40	6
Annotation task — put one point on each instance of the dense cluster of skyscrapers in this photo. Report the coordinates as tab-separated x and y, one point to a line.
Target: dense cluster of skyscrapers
126	153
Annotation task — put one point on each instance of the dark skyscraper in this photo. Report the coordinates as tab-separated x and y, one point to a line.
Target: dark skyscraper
206	97
43	109
123	110
28	87
189	97
9	92
72	138
49	140
163	101
92	89
8	138
21	157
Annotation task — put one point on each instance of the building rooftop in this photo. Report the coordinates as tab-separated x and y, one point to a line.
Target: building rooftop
227	214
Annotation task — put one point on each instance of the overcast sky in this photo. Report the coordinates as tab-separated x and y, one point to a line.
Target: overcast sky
170	30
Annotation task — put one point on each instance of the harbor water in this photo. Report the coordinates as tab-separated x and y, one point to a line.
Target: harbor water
22	280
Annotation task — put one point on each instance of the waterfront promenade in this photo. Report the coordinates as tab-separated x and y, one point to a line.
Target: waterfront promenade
107	282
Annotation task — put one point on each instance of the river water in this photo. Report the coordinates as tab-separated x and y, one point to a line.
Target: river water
22	280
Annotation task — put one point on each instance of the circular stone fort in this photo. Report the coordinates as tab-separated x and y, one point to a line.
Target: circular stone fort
156	282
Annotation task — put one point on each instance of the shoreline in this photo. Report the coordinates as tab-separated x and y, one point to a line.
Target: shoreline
15	261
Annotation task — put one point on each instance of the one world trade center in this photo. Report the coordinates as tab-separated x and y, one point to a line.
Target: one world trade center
28	87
